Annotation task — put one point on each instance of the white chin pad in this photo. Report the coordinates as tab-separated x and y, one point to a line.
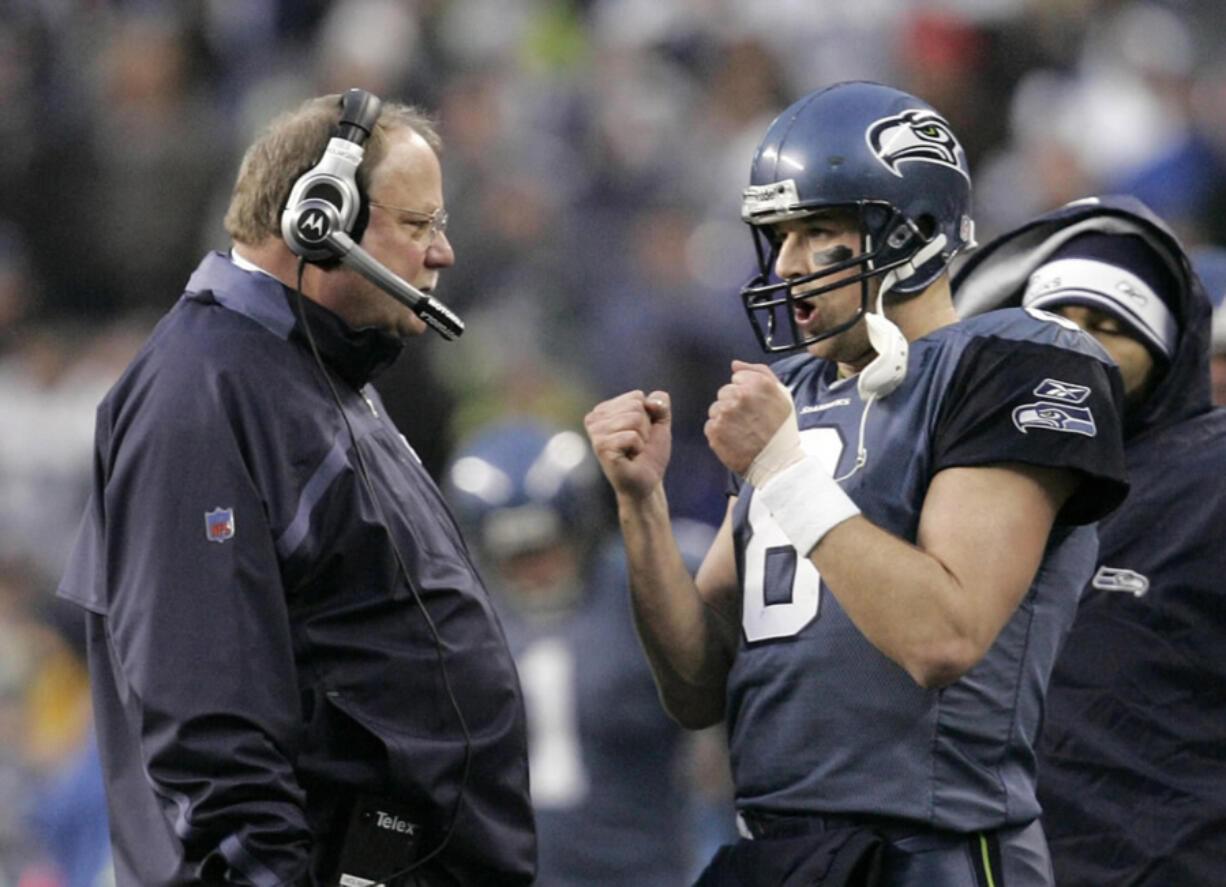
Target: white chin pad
889	367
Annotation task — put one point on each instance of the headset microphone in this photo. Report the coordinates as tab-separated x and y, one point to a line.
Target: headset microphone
429	309
325	201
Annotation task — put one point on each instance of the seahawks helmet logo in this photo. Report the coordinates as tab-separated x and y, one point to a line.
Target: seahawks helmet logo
914	135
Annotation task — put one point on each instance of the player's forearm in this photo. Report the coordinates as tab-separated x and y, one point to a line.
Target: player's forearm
935	607
904	601
675	627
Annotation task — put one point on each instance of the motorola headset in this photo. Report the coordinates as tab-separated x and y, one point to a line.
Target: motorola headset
325	203
324	206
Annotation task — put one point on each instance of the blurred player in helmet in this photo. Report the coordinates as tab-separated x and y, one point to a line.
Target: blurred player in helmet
907	527
1132	774
613	801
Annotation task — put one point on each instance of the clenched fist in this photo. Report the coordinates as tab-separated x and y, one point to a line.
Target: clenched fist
746	414
632	437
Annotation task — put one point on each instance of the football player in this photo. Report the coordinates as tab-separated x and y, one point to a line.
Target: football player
907	526
611	773
1132	775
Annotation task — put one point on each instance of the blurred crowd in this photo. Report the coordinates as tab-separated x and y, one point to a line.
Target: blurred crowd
594	155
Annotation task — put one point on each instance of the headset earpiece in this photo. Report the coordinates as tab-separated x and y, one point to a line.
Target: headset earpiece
326	200
326	214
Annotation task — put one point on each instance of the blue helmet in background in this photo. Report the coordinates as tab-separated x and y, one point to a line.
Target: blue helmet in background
873	149
521	484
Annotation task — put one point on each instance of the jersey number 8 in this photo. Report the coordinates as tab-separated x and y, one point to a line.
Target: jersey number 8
781	590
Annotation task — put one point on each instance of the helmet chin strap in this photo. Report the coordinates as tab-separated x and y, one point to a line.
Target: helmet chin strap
883	374
887	370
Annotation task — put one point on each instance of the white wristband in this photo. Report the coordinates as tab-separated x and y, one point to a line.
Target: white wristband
782	450
806	502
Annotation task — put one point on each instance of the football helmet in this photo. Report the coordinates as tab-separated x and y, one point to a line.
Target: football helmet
880	152
520	484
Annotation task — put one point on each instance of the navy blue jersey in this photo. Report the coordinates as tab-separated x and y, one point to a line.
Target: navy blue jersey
1132	760
820	720
608	787
258	652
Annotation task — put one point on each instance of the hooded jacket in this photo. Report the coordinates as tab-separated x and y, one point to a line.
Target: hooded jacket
1132	772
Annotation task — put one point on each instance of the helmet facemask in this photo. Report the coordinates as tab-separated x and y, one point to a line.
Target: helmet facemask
874	149
888	242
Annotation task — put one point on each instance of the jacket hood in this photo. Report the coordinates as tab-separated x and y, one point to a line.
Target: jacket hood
995	276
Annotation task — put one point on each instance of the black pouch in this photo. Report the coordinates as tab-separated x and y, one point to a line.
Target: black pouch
381	842
845	857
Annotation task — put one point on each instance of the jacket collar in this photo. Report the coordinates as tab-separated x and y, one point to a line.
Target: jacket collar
357	356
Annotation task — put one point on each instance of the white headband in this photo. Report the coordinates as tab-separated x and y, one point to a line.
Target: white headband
1109	288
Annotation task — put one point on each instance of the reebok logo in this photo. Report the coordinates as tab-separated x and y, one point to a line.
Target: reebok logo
1054	389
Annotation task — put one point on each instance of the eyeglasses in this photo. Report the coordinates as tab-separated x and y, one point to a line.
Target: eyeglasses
435	222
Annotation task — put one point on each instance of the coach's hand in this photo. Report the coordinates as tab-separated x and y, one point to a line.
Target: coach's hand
632	437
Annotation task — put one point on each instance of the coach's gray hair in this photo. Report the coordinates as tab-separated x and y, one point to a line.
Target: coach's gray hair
291	144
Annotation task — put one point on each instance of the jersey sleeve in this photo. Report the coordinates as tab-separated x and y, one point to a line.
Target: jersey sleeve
199	634
733	484
1038	403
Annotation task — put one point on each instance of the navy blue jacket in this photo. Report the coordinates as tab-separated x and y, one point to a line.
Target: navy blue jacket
1132	766
257	650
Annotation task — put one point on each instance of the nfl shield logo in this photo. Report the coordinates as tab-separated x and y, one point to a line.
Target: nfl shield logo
219	524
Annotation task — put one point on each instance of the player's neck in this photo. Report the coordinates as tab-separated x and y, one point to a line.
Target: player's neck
915	316
924	312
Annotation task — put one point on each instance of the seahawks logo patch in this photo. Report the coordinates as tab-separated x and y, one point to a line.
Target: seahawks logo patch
915	135
1055	417
1057	411
1120	579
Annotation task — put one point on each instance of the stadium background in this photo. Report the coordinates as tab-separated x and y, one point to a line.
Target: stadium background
594	156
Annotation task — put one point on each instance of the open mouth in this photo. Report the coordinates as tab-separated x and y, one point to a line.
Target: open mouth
803	309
